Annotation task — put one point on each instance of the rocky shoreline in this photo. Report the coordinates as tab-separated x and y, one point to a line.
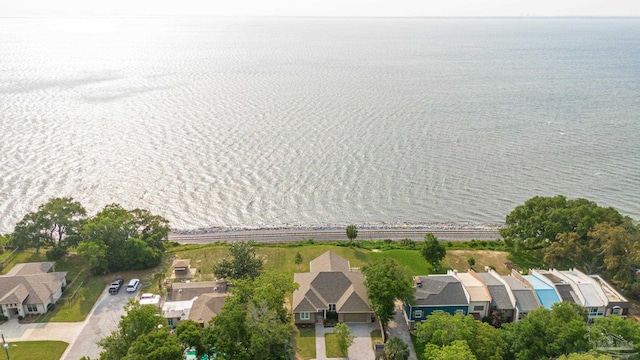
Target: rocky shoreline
448	226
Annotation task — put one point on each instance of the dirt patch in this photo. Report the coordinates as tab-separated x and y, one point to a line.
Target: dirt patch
457	259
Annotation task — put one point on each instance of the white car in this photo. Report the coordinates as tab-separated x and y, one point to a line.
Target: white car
133	285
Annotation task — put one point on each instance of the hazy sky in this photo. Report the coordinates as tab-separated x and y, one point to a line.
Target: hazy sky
323	7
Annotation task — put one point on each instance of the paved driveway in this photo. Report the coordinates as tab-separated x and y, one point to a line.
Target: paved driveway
362	349
398	328
102	320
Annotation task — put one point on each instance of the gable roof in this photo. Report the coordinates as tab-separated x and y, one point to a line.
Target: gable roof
206	306
440	290
330	283
15	295
329	261
33	279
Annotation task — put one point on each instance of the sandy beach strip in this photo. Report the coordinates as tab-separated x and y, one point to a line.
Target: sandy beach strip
277	235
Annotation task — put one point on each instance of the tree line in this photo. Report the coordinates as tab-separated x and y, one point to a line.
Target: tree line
578	233
112	240
559	333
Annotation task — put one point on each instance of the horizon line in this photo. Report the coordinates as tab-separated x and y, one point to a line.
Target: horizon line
331	16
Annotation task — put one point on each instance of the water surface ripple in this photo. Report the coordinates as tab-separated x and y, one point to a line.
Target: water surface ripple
274	121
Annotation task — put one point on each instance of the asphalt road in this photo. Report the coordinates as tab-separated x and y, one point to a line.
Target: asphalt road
292	235
101	322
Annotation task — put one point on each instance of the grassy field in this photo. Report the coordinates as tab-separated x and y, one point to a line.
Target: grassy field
41	350
457	259
282	259
22	257
82	292
306	343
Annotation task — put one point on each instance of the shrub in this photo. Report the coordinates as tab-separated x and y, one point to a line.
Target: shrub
407	242
57	253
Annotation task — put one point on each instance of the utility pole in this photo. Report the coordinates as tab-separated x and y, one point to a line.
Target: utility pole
6	347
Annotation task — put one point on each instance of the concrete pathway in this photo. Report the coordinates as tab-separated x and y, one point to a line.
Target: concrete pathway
13	331
361	348
397	327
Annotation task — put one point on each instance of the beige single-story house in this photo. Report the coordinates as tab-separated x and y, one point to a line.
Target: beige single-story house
30	288
331	291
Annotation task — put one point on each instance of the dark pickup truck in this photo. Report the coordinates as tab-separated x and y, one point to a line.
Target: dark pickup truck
115	286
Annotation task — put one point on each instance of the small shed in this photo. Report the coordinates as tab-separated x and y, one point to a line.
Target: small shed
182	269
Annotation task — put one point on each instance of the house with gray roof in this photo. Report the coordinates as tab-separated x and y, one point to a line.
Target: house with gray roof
330	291
526	299
589	292
198	301
436	293
30	288
502	299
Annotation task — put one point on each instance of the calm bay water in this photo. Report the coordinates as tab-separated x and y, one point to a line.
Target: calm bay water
275	121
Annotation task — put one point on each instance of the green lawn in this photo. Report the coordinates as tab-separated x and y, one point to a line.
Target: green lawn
25	256
306	343
412	259
419	347
78	307
331	346
82	292
41	350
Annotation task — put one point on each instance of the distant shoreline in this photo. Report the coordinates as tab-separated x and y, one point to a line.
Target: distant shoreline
280	234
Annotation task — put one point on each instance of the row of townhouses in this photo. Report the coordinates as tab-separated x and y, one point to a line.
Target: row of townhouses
511	296
333	291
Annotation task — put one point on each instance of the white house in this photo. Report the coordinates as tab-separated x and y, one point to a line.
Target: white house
30	288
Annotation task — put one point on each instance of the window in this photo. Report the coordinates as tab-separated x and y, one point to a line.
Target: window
417	314
332	307
32	307
615	310
478	308
460	311
304	315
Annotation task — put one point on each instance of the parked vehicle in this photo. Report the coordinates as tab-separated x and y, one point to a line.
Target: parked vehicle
115	286
133	285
